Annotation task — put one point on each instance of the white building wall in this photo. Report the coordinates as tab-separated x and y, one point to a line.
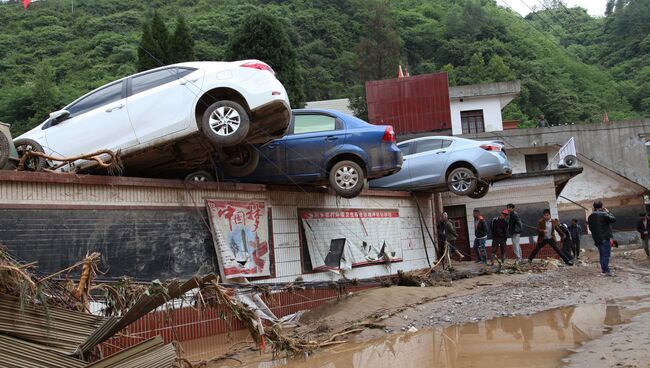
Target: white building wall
491	107
36	190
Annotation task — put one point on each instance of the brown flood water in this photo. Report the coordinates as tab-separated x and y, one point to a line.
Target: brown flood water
535	341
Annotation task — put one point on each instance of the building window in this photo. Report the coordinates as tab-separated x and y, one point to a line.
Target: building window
472	121
536	162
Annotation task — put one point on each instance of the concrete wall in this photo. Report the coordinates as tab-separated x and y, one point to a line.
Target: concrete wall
491	107
619	146
163	206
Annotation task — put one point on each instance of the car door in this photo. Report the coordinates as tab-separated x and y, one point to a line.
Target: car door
161	102
312	136
271	167
96	121
428	162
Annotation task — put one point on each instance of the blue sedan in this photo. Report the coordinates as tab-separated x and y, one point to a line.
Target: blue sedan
328	146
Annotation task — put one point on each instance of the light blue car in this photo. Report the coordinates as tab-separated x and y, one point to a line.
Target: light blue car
440	162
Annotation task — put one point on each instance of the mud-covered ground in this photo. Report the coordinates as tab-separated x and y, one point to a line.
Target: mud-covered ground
396	309
497	295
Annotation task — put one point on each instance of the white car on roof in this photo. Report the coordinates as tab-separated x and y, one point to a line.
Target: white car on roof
172	118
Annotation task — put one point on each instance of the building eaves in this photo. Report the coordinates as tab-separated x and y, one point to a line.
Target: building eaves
572	171
485	89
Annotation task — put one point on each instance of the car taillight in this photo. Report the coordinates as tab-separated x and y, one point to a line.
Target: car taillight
258	65
389	135
491	147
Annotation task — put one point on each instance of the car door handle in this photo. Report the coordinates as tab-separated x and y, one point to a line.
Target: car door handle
116	107
185	81
439	152
331	138
273	145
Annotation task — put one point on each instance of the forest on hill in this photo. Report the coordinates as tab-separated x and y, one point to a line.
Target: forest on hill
573	67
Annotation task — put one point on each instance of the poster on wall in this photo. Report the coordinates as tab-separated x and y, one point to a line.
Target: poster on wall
342	239
244	247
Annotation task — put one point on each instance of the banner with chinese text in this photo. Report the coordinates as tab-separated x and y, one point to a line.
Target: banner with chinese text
371	236
244	249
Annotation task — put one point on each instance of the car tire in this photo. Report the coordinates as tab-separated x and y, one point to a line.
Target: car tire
33	163
225	123
241	160
482	189
4	150
200	177
461	181
347	179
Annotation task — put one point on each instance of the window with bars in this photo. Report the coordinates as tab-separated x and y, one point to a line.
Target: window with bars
472	121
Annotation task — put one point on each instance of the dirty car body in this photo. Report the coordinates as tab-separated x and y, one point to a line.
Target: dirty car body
170	117
431	163
318	140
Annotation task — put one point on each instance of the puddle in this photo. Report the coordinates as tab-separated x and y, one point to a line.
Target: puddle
535	341
209	347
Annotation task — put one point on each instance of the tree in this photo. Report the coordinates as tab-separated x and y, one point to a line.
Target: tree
154	49
378	51
262	36
45	95
476	72
182	43
498	71
609	7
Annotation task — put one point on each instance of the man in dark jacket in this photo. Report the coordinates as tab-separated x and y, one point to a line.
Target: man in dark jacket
499	229
546	230
450	235
576	232
643	227
514	230
601	231
480	236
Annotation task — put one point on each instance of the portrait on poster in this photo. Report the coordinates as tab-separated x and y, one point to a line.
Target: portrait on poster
244	251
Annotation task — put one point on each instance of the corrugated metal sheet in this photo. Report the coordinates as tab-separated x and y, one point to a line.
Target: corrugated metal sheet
149	353
16	353
54	328
412	104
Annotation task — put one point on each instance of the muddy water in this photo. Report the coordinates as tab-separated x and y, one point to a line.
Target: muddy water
536	341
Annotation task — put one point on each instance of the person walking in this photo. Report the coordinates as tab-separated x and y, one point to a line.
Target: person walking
599	223
451	236
499	229
546	230
480	236
643	227
514	230
576	232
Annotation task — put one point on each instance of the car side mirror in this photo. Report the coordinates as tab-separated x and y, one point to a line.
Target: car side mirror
57	115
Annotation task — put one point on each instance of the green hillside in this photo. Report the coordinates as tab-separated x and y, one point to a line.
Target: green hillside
573	67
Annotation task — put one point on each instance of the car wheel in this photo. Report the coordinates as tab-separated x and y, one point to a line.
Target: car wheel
461	181
4	150
225	123
241	160
33	163
482	189
200	177
347	179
